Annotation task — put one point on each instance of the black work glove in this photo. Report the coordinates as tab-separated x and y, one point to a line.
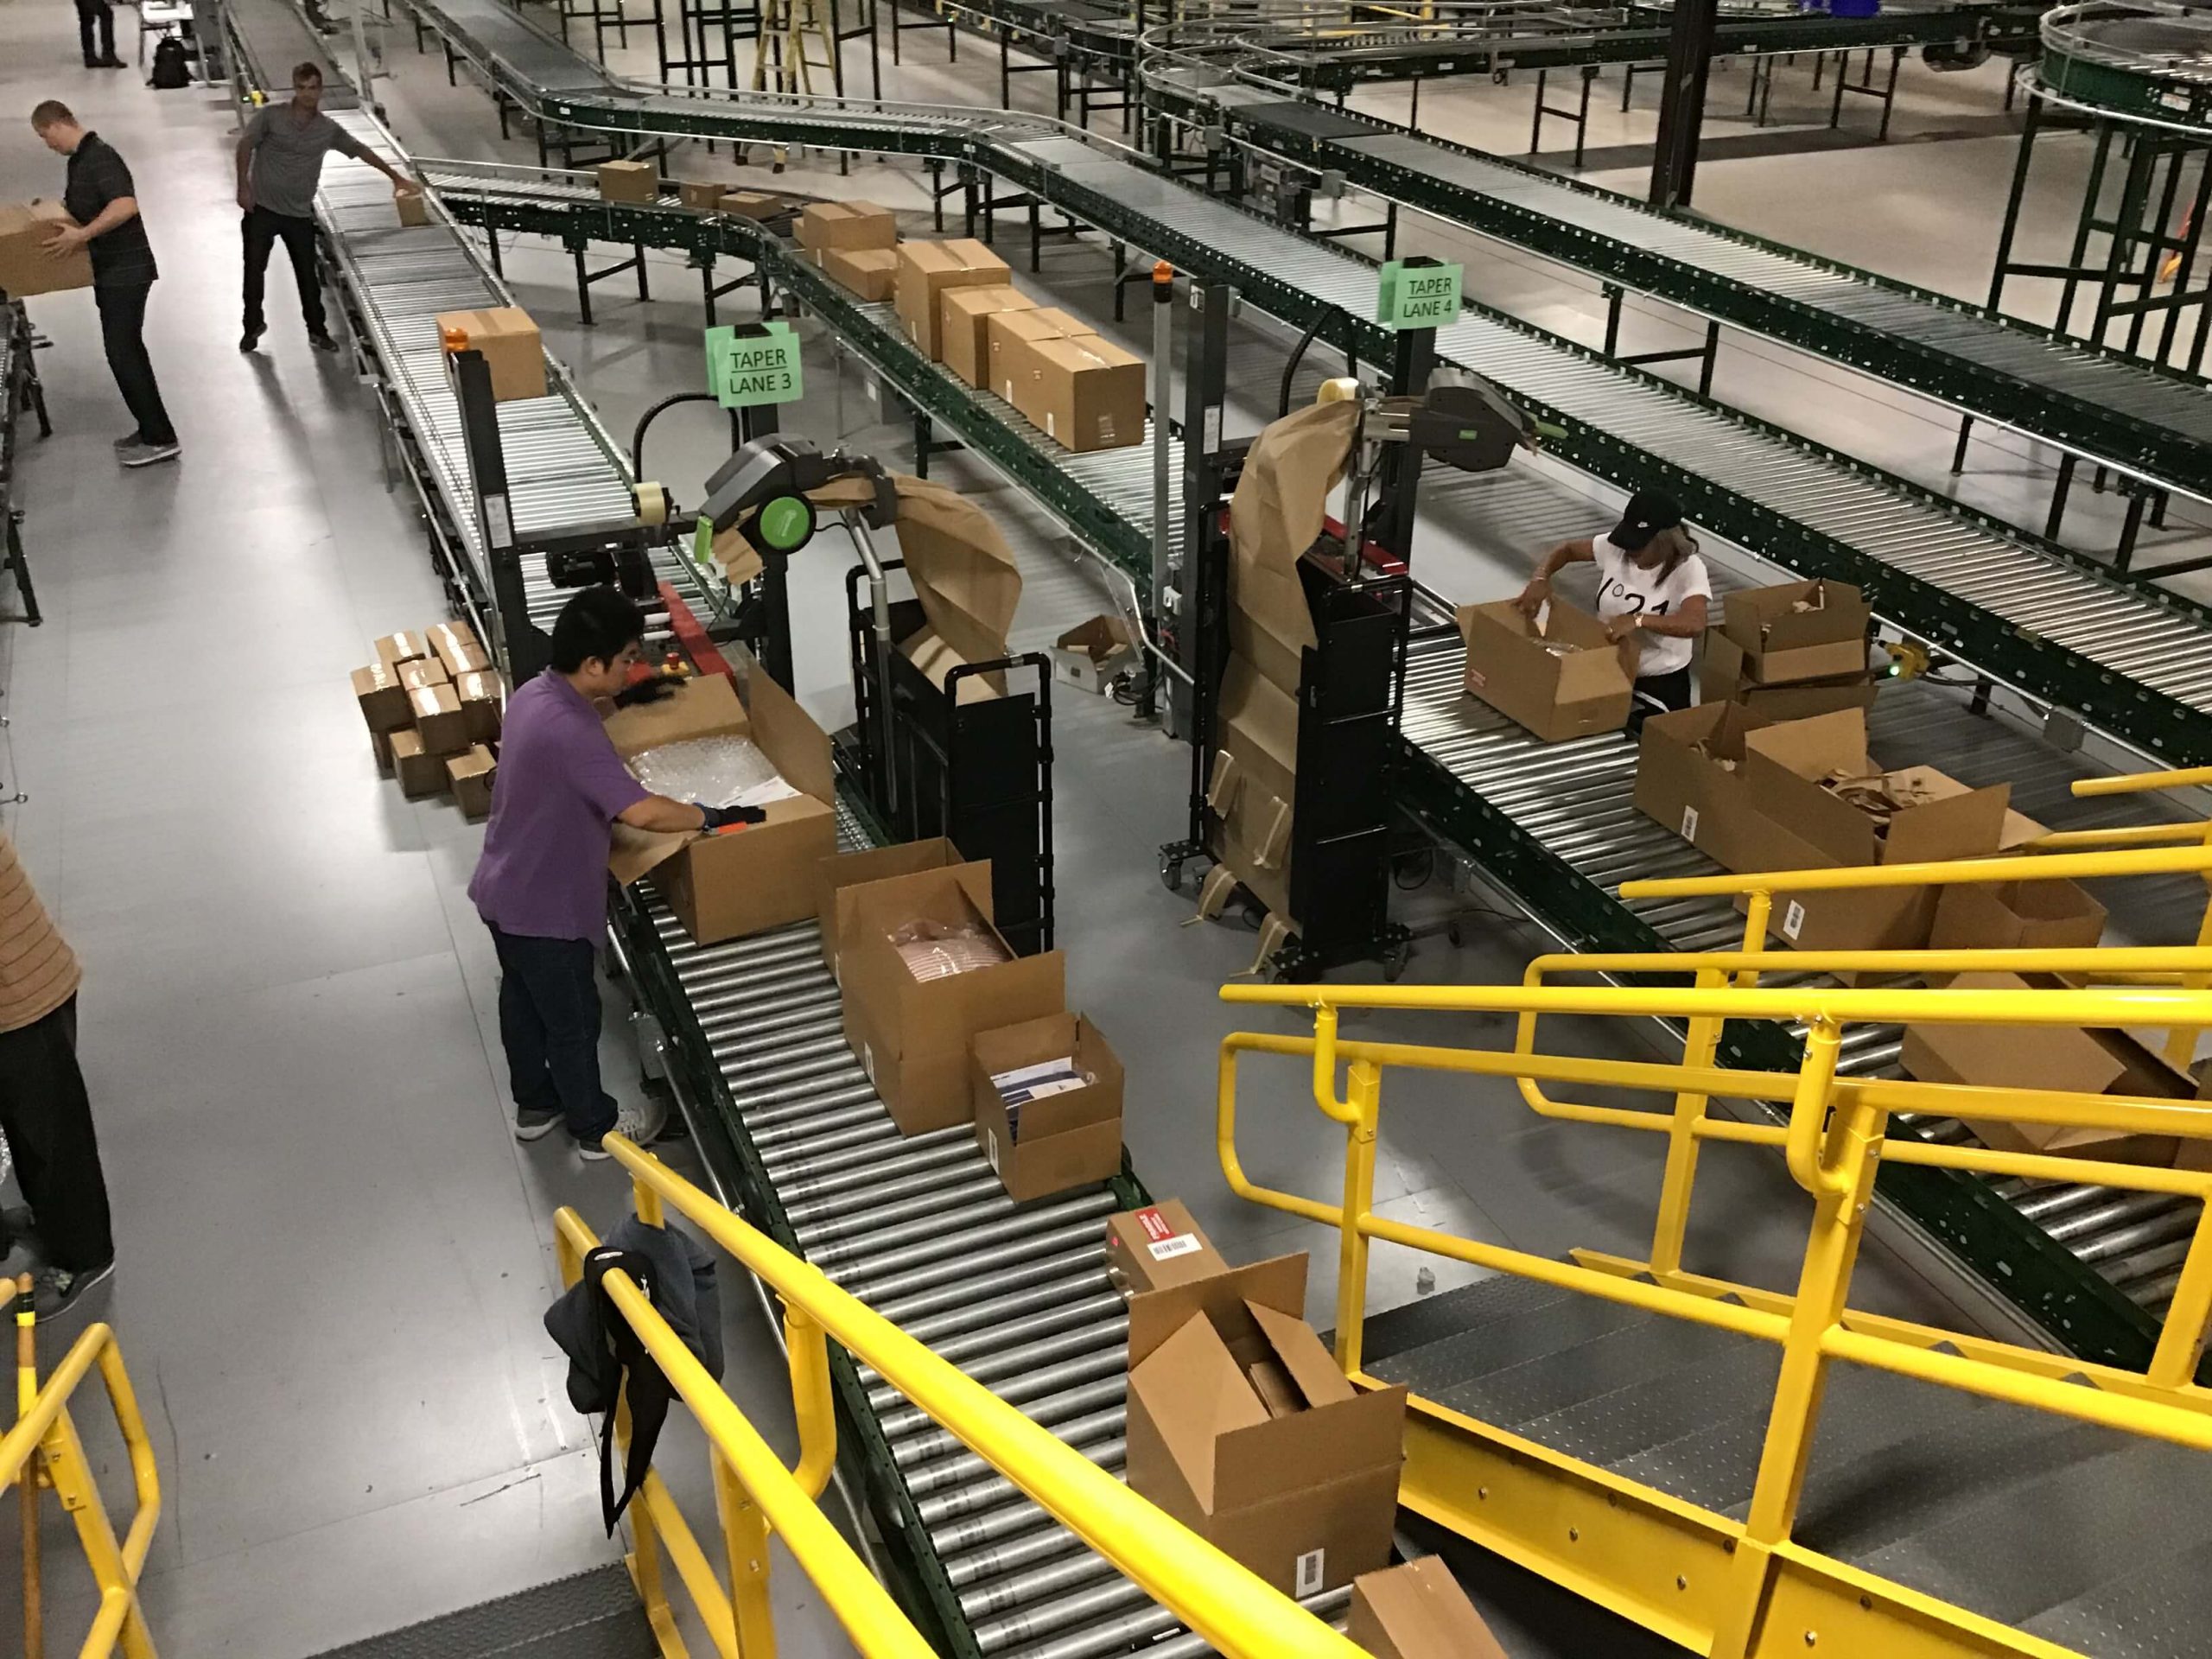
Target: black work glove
651	689
721	817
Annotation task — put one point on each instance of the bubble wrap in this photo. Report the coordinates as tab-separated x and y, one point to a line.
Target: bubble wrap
723	770
937	950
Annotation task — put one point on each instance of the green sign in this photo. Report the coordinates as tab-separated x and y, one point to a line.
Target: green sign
1418	297
746	370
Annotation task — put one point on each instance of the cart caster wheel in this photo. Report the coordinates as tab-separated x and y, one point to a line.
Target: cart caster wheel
1171	874
1394	965
1454	934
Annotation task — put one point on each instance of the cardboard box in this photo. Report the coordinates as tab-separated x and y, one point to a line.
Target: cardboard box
628	182
509	343
383	699
1090	655
1085	391
1159	1247
2030	1058
396	648
703	196
420	773
469	776
1723	677
1418	1611
871	273
413	207
1560	676
926	270
455	644
423	670
965	318
25	229
737	881
837	878
438	720
1785	765
2057	915
1010	338
381	746
483	700
1068	1139
826	224
914	1035
1242	1428
1784	643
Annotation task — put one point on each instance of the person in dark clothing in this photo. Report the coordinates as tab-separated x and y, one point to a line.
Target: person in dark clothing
97	17
280	164
101	198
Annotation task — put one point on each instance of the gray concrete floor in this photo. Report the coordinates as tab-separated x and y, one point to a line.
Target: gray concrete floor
333	1258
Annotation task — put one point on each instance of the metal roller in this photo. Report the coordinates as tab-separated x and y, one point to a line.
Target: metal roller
1076	1270
1097	1400
1000	1262
991	1565
1072	1567
963	1469
1085	1302
982	1497
1035	1370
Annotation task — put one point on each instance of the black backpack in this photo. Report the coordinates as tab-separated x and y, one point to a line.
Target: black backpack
172	69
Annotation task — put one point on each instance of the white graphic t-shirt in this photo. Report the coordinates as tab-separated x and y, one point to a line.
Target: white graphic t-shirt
1625	588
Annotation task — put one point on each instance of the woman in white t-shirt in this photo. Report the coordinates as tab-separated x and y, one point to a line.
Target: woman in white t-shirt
1651	583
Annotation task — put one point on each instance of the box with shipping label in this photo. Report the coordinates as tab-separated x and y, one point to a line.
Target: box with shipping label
1086	392
413	208
1242	1427
509	343
2025	1059
1043	1132
872	274
382	697
454	643
1722	677
965	321
1798	630
469	776
420	773
702	196
926	270
483	700
1418	1611
438	720
912	1033
1560	676
836	880
1090	655
628	182
1010	339
404	647
1159	1246
26	267
2058	915
826	224
423	670
727	884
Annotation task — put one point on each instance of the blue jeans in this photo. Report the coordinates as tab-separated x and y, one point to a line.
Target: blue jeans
549	1024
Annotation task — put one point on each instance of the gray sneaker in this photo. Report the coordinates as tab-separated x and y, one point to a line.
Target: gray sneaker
130	440
531	1126
641	1123
56	1290
145	454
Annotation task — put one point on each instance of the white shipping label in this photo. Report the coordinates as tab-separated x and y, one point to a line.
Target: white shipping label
1051	430
1309	1573
497	521
1793	920
1689	824
1181	1244
991	1149
1210	435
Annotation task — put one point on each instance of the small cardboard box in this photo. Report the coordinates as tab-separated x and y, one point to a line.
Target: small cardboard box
1560	675
628	182
420	773
455	644
837	879
438	720
914	1035
1785	765
1242	1428
702	196
413	207
1010	338
2031	1057
396	648
423	670
1159	1247
25	229
1723	677
383	699
509	344
469	776
1085	391
926	270
381	746
1089	655
871	273
2058	915
1418	1611
483	701
1798	630
1068	1139
733	883
826	224
966	320
753	204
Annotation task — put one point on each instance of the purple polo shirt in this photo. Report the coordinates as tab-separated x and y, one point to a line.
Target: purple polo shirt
560	788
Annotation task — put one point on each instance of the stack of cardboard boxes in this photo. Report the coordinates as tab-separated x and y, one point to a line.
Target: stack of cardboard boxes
433	707
855	243
1789	651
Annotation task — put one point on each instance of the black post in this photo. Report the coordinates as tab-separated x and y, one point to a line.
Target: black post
1201	619
519	643
1681	102
1411	358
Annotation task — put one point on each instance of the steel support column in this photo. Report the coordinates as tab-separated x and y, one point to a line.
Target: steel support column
1681	102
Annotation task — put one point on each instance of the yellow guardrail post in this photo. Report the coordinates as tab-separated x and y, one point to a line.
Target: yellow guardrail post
1701	1043
2181	1341
745	1531
1365	1098
812	1402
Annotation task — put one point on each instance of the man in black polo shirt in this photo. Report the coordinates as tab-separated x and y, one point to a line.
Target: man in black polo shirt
99	196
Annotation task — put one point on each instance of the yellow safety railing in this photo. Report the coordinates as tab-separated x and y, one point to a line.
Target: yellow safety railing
1835	1138
1240	1614
42	1450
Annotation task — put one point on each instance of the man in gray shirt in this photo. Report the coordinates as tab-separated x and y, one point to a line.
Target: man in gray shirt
280	165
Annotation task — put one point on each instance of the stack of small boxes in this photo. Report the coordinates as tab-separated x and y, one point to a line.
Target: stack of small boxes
433	705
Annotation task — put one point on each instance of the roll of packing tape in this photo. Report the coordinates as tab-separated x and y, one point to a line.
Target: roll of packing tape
652	503
1345	388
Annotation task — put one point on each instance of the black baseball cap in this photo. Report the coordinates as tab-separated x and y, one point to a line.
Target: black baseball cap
1647	514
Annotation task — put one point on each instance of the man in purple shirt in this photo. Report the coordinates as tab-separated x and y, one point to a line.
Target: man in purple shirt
541	883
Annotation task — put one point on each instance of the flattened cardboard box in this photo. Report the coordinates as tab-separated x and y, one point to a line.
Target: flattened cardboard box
1069	1140
1242	1428
420	773
509	344
869	273
728	884
966	323
1418	1611
1559	677
382	697
469	776
1159	1247
1722	678
826	224
926	270
835	879
1277	512
25	271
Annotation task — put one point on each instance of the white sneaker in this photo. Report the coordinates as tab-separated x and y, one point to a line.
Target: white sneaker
641	1124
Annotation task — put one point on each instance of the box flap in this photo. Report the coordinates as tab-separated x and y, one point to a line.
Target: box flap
1299	1352
1276	514
2014	1057
835	878
1332	1442
1195	1394
795	745
703	707
1225	1299
1767	618
631	853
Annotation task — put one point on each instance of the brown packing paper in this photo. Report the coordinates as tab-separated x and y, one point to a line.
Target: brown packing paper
1276	513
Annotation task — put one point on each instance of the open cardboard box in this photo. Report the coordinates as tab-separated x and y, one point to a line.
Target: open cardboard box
739	881
2063	1058
1242	1428
1560	676
1781	644
1068	1139
1785	763
2057	915
914	1035
837	878
1159	1247
1723	676
1089	655
1418	1611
